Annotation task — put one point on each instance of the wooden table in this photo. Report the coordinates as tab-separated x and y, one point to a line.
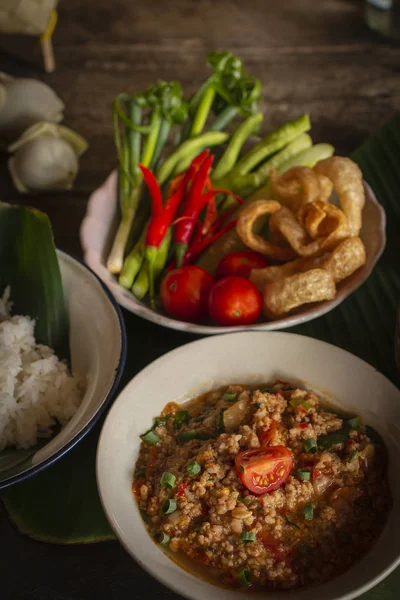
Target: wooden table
315	57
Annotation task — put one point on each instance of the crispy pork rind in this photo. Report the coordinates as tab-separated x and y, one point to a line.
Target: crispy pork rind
299	186
244	228
274	273
349	256
283	296
324	227
348	183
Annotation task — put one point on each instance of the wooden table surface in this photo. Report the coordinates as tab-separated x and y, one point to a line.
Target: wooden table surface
315	57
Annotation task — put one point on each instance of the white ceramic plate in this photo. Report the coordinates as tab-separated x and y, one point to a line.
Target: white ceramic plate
98	352
244	357
100	224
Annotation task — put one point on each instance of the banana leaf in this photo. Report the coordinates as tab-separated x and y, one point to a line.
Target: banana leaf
29	265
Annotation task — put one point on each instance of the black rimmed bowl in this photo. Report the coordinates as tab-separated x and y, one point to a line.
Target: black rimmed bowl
98	352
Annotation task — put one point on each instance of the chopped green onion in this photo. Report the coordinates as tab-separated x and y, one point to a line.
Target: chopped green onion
267	390
186	436
168	507
331	439
220	421
353	455
229	397
247	536
139	473
304	474
309	512
160	421
245	577
162	538
353	423
168	480
291	523
193	468
296	402
243	500
180	418
150	438
310	445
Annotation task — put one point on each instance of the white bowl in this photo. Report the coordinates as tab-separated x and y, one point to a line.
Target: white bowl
100	224
98	353
245	357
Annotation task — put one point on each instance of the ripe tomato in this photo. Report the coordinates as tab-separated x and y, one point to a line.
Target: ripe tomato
264	469
234	301
241	263
184	292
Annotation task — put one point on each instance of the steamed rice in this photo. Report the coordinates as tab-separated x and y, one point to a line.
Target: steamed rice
36	388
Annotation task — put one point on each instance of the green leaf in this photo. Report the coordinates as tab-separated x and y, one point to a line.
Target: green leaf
30	266
61	505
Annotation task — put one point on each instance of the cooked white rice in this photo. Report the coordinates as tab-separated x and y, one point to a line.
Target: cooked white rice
36	389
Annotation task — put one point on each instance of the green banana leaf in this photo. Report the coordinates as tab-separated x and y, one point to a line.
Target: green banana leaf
29	265
47	506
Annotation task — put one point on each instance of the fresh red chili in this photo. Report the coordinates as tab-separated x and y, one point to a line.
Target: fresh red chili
194	204
181	488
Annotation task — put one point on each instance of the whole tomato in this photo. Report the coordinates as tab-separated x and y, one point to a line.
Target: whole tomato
184	293
241	263
234	301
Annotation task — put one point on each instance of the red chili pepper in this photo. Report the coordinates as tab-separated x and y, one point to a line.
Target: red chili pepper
136	485
303	425
196	249
316	473
161	218
194	204
181	488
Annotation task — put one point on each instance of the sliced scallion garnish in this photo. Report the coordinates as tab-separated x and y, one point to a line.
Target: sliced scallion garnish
168	506
245	577
304	474
310	445
150	438
229	397
309	512
353	455
193	468
180	418
288	522
139	473
296	402
168	480
247	536
162	538
160	421
326	442
353	423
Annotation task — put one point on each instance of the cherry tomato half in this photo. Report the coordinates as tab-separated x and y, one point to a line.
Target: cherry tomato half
184	292
241	263
234	301
264	469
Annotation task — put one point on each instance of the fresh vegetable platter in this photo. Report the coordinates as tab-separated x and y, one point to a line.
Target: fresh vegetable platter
219	227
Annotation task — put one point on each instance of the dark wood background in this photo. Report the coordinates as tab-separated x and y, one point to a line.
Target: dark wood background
315	57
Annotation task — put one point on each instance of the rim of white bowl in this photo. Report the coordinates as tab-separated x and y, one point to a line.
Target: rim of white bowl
35	469
354	593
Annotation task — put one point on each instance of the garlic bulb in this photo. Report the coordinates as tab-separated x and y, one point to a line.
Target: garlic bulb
46	158
24	102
